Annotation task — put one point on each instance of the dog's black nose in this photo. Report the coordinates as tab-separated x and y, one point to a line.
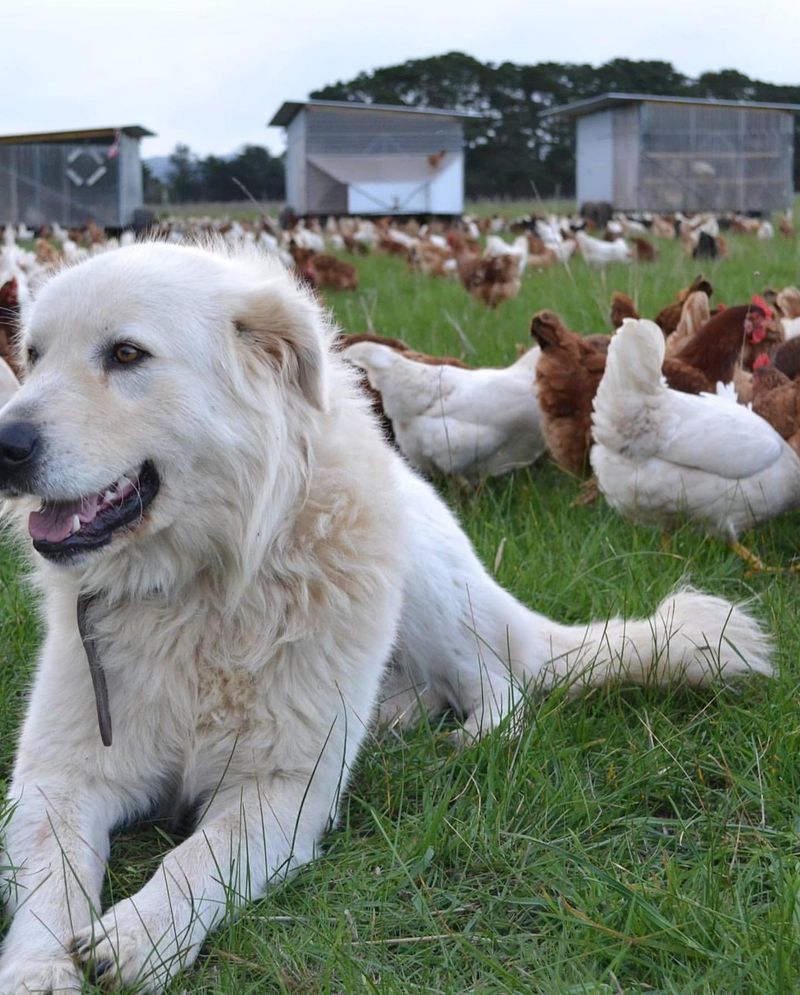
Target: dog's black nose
19	443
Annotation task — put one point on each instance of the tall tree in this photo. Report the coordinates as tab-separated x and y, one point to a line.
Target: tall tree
184	177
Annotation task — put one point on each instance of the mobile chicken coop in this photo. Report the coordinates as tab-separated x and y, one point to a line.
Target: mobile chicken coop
652	153
72	177
352	158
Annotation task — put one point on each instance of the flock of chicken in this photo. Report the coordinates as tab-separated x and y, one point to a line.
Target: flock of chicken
491	268
695	414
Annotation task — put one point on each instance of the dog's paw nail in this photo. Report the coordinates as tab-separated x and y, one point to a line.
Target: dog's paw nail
101	968
79	947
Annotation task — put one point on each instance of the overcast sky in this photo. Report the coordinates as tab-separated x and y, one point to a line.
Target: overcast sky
212	74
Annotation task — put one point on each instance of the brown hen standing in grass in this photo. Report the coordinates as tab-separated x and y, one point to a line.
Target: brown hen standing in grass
717	347
567	375
777	399
491	279
322	271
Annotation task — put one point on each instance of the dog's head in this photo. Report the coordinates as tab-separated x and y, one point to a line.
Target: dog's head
169	395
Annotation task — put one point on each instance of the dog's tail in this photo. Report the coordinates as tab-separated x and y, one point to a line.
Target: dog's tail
692	638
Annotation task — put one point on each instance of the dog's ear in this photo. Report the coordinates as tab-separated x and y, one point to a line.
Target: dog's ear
287	331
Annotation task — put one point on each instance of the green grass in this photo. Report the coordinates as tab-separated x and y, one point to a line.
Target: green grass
634	841
245	210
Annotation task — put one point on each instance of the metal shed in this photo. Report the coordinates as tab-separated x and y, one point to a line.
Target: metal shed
351	158
642	152
72	177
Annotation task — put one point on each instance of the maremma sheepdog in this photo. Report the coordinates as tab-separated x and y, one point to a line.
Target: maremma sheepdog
239	577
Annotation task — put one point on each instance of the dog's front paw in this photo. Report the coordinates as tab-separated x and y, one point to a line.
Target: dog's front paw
51	975
128	946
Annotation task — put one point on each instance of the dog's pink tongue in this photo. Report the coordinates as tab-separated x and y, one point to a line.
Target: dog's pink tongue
53	522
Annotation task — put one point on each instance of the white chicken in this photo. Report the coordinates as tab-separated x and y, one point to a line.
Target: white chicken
551	235
470	423
496	246
599	253
660	454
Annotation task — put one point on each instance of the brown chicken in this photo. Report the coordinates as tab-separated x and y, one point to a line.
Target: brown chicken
429	259
491	279
622	307
462	244
331	273
643	251
322	271
777	399
685	378
567	375
695	312
9	317
668	317
755	346
787	358
717	347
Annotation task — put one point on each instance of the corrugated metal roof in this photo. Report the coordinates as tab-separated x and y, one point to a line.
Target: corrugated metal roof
606	100
374	168
81	134
289	110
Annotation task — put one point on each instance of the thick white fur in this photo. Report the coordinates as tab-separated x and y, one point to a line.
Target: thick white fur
246	625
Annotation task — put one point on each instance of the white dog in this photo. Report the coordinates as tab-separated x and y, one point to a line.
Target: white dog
199	474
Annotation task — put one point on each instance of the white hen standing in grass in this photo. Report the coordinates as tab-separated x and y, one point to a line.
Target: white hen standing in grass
660	454
469	423
599	253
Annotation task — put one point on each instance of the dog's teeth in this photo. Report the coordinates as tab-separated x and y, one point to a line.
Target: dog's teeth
109	496
76	524
124	487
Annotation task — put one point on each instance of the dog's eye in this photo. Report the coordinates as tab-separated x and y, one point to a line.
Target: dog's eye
33	357
124	353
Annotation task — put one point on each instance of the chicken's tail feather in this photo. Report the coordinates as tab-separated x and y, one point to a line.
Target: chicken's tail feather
635	358
632	375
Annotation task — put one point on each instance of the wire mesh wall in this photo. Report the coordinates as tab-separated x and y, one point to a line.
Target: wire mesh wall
70	183
714	158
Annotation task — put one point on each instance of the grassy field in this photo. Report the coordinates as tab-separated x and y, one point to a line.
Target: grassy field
632	841
245	210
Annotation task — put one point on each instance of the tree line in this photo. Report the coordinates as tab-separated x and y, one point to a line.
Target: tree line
191	178
510	151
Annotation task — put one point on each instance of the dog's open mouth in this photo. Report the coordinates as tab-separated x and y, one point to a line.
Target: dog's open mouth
61	529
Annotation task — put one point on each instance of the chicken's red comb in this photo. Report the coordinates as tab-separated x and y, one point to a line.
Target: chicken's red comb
761	361
758	301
